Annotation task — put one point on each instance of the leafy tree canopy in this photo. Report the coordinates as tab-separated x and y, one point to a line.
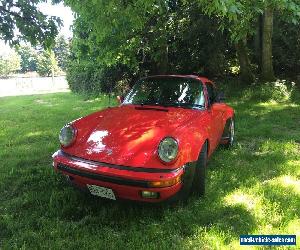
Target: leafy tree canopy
239	16
47	63
22	21
9	63
210	37
28	58
122	28
61	51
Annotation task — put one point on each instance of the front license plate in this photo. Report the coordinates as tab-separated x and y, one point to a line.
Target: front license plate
101	191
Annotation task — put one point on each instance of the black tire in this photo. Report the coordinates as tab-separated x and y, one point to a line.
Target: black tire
198	187
230	133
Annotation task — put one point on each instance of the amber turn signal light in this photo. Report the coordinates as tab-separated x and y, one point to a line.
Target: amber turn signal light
165	183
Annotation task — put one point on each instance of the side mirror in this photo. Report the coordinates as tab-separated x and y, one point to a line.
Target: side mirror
220	97
120	99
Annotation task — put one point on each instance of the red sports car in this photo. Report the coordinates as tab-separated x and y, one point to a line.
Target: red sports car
154	146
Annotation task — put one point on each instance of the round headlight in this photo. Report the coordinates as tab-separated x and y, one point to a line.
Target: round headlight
66	135
168	149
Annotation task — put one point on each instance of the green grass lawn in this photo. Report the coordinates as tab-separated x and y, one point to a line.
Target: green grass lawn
252	189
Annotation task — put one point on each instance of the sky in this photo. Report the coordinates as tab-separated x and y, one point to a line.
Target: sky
59	10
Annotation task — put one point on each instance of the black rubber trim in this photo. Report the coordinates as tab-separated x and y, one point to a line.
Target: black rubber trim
134	169
99	177
187	181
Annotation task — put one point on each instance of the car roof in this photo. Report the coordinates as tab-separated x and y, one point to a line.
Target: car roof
201	78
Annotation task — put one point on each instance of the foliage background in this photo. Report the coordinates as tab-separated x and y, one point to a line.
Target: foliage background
45	61
117	42
9	63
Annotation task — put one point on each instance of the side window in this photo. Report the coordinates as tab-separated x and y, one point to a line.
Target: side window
211	93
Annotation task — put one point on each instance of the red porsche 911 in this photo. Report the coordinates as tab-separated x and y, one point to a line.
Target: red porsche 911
154	146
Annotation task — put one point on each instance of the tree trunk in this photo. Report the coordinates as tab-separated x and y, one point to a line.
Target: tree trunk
163	63
258	42
246	75
267	72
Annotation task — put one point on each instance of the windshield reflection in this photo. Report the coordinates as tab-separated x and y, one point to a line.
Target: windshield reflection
167	91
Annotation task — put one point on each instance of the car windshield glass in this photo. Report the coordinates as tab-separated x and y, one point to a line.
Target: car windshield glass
167	91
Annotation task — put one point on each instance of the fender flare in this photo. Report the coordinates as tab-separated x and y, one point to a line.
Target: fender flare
192	148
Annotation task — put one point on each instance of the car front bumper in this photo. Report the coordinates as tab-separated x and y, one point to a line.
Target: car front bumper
125	182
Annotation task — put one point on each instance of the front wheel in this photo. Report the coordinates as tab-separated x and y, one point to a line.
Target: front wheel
198	186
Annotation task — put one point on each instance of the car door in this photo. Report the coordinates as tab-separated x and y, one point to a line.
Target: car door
215	112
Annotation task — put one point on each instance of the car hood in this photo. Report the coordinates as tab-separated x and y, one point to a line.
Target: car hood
128	135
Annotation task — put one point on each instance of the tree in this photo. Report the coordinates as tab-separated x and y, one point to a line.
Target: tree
156	37
123	41
288	10
23	21
235	16
61	51
28	58
267	72
240	17
286	47
9	63
246	74
47	64
122	30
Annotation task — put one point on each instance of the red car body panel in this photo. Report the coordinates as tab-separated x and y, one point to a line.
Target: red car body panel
128	136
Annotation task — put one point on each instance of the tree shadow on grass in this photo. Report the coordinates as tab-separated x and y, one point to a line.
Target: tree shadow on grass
262	154
139	219
259	156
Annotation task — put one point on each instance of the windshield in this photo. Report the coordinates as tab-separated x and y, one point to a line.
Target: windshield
167	91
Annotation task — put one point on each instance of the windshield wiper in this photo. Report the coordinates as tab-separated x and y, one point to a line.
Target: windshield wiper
172	104
151	104
184	105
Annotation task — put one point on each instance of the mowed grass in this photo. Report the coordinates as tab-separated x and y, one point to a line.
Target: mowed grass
252	189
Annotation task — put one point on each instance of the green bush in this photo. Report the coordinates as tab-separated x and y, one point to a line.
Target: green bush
79	77
47	64
90	79
9	63
28	57
286	48
279	91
